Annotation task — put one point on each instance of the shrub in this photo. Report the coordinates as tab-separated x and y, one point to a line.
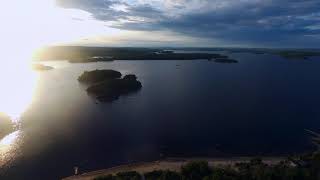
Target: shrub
99	75
162	175
130	175
154	175
108	177
222	174
195	170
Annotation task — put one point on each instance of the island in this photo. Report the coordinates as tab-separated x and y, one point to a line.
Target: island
78	54
91	59
41	67
298	54
81	54
107	85
6	125
225	60
98	76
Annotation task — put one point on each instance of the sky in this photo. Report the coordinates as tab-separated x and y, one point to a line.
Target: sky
198	23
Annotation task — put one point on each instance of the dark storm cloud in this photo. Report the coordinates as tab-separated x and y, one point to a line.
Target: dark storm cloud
265	22
100	9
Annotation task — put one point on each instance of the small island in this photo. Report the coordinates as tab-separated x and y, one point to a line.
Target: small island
6	125
225	60
107	85
41	67
92	59
295	54
98	76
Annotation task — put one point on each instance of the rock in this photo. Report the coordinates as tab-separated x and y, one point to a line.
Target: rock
98	76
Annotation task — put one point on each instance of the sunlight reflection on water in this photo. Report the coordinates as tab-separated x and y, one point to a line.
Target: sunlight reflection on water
18	85
9	147
18	82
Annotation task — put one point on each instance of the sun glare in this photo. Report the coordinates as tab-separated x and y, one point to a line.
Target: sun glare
18	85
25	27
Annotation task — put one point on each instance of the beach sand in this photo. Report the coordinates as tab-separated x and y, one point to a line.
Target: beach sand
173	164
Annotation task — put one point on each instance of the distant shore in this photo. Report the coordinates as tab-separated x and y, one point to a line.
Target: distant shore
173	164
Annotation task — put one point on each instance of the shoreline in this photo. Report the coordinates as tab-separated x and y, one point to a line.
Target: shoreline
173	164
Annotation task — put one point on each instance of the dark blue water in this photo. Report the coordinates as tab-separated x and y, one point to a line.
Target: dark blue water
260	106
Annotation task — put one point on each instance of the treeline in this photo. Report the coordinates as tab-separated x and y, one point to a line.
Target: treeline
85	54
81	52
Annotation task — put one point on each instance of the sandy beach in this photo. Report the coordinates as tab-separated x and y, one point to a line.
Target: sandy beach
173	164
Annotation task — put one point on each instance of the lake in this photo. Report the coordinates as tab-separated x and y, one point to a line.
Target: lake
260	106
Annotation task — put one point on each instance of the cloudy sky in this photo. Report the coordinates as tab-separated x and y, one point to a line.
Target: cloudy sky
246	23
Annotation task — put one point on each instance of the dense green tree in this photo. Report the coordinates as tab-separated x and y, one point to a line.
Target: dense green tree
162	175
195	170
223	174
108	177
130	175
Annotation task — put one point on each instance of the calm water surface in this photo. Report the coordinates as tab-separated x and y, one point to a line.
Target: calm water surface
260	106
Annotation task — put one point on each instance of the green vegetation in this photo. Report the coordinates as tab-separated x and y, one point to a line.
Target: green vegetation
108	177
108	84
93	54
162	175
98	76
195	170
285	53
225	60
253	170
294	54
131	175
110	90
6	125
91	59
78	54
304	167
